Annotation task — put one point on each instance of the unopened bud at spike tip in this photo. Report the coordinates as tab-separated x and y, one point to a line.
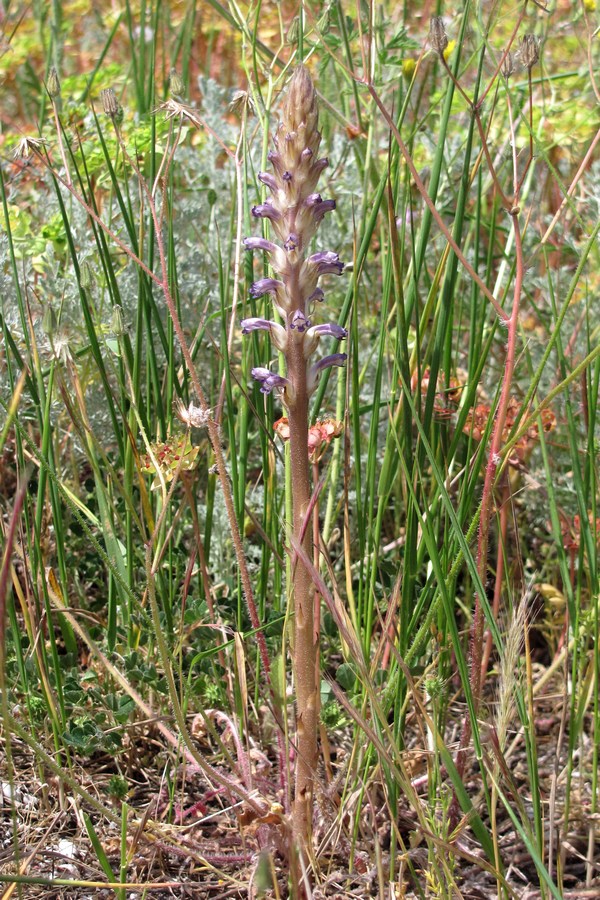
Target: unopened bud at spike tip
300	106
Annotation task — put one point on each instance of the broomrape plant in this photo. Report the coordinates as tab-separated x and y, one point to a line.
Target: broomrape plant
295	210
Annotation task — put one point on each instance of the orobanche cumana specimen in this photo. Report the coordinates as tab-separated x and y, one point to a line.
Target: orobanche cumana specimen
294	210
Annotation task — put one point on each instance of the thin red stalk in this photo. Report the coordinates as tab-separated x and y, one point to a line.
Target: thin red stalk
487	501
505	497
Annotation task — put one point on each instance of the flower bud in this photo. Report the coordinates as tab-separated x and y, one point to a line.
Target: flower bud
53	84
293	31
49	322
117	325
176	85
324	22
508	65
87	278
111	106
437	34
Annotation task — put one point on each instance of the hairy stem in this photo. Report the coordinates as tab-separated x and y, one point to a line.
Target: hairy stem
302	591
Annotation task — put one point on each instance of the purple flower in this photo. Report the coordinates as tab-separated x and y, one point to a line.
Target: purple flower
318	206
306	154
335	331
287	176
335	359
292	242
326	262
258	243
278	332
268	380
317	296
266	210
278	258
299	322
255	324
265	286
269	180
275	159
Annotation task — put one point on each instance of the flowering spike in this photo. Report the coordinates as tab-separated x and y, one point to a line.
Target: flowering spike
295	210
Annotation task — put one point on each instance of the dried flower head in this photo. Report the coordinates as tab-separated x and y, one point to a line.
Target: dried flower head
175	109
192	416
242	102
529	50
320	435
53	83
27	147
477	422
437	34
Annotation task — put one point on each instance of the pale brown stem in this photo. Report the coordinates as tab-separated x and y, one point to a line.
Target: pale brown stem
302	590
